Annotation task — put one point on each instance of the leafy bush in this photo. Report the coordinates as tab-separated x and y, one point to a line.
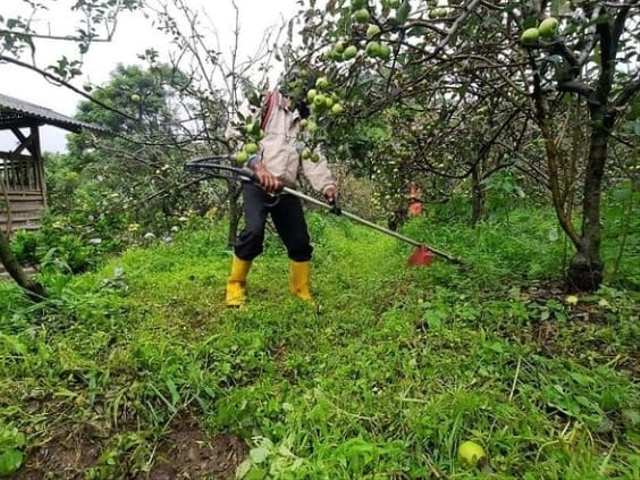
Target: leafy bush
24	245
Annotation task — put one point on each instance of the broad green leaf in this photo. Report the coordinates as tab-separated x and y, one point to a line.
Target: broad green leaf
417	31
434	318
10	461
259	454
530	22
604	18
243	469
255	473
583	380
175	396
403	12
555	7
497	347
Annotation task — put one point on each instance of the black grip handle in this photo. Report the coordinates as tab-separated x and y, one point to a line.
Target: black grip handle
250	175
335	206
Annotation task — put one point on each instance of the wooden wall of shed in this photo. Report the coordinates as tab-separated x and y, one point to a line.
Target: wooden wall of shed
26	210
22	184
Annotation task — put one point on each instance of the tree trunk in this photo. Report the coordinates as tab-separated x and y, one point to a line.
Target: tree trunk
477	200
586	268
35	291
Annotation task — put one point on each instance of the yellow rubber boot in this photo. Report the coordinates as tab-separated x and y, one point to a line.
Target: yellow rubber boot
237	282
299	277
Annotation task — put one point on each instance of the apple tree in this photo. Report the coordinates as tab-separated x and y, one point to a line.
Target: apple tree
551	73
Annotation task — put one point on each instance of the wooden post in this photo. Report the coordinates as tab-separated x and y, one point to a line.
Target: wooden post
37	153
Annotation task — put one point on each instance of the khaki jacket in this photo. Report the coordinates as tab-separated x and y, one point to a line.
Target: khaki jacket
281	146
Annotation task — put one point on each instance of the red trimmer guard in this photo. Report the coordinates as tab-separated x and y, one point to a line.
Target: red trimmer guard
421	256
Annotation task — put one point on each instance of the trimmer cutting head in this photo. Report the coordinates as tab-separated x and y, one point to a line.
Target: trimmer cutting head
421	256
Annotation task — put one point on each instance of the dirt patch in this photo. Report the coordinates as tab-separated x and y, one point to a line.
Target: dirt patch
545	334
185	453
280	357
572	325
555	289
65	456
188	453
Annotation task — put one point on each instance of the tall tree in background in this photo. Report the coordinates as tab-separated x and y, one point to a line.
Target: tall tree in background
139	169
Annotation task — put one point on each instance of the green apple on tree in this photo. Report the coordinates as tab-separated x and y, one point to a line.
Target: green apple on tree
337	109
362	15
373	30
253	129
242	157
373	49
251	148
319	100
549	27
385	52
334	55
135	98
530	36
322	83
350	52
311	94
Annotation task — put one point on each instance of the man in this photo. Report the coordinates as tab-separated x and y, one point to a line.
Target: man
279	163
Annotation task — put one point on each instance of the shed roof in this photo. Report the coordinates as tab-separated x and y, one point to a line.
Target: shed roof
18	113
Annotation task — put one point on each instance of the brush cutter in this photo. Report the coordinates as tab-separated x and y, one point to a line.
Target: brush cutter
211	166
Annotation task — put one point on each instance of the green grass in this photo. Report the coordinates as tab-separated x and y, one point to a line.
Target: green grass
394	369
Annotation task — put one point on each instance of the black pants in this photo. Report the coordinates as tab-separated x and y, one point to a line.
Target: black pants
288	217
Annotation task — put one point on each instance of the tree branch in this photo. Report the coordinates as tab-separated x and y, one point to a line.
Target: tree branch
64	38
618	24
49	76
627	93
581	88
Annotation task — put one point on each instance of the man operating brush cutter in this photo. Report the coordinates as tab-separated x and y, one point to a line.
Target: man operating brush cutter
278	162
211	166
270	170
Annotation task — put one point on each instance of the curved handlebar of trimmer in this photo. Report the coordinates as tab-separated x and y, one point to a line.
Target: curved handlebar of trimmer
212	166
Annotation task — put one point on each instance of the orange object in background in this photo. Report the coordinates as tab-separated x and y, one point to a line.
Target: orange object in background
415	208
415	200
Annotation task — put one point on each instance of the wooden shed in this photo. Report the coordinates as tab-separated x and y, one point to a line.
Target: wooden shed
22	181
